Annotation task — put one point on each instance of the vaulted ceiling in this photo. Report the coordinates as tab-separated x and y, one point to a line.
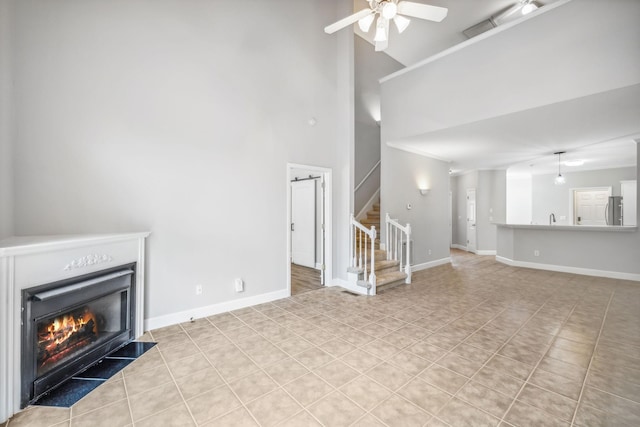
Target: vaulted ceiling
598	126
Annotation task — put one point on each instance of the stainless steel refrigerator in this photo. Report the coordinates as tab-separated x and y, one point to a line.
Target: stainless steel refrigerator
613	211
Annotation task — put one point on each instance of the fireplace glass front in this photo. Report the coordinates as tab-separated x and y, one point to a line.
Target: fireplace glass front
69	325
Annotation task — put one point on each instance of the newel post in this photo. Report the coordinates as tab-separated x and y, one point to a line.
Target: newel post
407	268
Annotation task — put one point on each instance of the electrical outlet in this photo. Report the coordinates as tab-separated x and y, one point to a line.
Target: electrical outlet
239	285
536	253
198	289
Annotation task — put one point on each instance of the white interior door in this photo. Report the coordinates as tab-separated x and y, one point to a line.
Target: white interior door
303	223
471	220
590	206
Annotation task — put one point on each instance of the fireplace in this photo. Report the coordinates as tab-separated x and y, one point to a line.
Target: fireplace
70	324
41	263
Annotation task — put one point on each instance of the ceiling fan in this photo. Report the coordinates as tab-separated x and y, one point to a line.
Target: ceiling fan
388	10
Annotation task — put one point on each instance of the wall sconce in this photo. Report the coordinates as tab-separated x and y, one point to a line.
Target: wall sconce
424	191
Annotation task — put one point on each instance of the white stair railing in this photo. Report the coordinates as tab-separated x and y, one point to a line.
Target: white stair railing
362	253
397	235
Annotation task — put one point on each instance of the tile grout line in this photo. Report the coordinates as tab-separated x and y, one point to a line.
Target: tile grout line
281	387
126	390
526	381
453	395
224	380
175	383
593	355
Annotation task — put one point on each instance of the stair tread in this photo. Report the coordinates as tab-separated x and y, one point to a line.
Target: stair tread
386	263
390	277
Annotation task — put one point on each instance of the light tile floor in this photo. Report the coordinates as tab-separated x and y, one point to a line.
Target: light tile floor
470	344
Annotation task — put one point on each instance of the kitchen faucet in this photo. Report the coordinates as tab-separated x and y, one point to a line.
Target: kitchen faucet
552	217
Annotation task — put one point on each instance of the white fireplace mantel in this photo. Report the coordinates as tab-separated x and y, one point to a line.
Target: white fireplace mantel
36	260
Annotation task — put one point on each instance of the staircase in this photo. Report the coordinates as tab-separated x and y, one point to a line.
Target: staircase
387	271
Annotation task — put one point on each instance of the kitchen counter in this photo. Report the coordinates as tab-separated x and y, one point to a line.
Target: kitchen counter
611	228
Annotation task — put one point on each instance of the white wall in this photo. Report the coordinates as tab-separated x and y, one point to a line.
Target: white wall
548	197
402	174
179	117
490	186
6	127
491	202
519	199
485	79
370	66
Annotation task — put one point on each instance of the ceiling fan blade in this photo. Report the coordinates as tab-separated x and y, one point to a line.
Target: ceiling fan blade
422	11
345	22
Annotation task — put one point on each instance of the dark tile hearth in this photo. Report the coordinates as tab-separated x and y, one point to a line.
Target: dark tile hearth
74	389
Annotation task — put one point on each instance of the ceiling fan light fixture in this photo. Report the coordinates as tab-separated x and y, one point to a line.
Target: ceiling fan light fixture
401	23
365	23
389	10
528	7
381	31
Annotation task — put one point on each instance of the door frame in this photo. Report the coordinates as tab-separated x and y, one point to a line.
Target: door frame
475	219
572	199
327	240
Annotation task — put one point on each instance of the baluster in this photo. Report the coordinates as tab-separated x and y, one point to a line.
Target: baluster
372	276
401	240
387	235
359	248
365	256
408	268
351	242
395	241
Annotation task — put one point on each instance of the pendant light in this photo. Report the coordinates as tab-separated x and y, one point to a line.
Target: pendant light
559	180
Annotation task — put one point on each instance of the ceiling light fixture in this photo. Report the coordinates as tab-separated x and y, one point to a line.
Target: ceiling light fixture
559	180
386	11
527	7
401	23
389	10
381	30
365	23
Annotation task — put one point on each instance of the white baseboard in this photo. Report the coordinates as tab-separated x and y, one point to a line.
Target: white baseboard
200	312
477	251
430	264
485	252
568	269
368	206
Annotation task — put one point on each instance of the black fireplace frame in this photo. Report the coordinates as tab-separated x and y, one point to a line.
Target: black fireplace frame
81	290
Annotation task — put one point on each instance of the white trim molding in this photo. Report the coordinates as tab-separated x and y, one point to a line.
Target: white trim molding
567	269
430	264
485	252
210	310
